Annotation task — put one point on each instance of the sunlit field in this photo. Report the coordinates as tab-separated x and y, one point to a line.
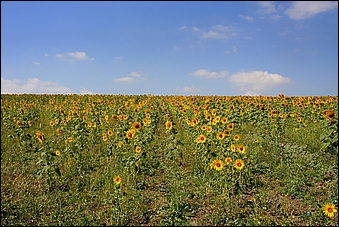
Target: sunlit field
169	160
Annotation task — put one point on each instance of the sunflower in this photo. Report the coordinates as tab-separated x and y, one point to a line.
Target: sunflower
104	137
120	144
56	121
226	132
18	123
224	120
239	164
117	180
200	139
230	126
130	134
57	152
59	131
110	132
236	137
89	124
329	114
220	135
40	136
241	149
29	123
136	126
329	210
203	127
51	123
209	128
233	147
299	119
256	140
217	164
228	160
168	125
138	149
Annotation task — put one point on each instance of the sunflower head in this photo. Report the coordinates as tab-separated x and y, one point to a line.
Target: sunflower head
329	210
117	180
239	164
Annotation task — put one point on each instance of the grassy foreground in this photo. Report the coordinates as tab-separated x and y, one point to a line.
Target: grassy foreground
165	160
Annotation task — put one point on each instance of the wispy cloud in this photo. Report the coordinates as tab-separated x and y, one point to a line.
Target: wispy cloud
84	91
187	90
32	86
124	79
257	82
301	10
228	51
246	17
72	56
268	8
119	58
36	63
79	55
131	77
220	32
215	31
209	75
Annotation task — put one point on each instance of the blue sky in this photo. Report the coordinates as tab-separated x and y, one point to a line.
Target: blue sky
170	48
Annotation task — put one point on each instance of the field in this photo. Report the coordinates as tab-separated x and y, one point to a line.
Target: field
169	160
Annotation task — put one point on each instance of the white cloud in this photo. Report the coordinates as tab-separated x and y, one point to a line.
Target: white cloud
36	63
119	58
72	56
84	91
220	32
79	55
246	17
124	79
59	55
267	7
228	51
209	75
132	76
257	82
301	10
195	29
32	86
46	55
215	32
187	89
135	74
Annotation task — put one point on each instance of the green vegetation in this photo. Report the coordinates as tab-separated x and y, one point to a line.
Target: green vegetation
168	160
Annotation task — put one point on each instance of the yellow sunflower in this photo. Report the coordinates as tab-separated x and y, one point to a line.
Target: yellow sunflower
117	180
130	134
217	164
40	136
241	149
329	210
236	137
168	125
138	149
220	135
228	160
233	147
136	126
239	164
110	132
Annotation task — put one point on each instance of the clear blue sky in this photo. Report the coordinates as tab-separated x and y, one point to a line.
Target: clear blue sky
170	48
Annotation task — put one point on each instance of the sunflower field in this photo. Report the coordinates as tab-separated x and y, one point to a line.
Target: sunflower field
169	160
